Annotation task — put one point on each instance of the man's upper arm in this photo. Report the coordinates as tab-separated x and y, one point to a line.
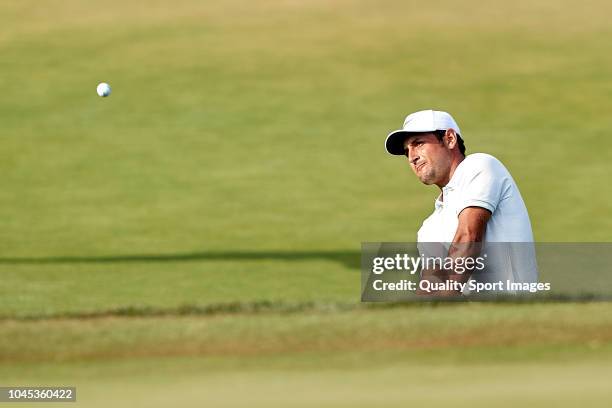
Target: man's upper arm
472	224
484	184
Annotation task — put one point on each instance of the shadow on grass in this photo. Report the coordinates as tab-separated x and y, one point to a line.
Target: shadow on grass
350	259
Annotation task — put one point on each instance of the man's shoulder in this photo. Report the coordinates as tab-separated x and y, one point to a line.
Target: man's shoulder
483	162
475	159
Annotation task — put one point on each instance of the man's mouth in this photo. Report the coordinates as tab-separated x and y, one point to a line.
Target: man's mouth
419	166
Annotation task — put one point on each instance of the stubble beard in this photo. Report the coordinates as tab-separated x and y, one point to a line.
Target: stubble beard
427	175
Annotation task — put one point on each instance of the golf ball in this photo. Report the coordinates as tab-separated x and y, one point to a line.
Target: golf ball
103	89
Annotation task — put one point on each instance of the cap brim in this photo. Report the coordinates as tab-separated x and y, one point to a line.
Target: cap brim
395	142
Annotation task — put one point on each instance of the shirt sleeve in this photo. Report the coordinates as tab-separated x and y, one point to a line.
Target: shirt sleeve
483	185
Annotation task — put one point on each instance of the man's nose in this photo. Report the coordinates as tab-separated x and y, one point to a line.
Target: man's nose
413	157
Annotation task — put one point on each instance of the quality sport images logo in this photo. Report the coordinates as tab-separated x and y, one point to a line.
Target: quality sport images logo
394	271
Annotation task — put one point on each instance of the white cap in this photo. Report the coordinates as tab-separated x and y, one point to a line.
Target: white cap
419	122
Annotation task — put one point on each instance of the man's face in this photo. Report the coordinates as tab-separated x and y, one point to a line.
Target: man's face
429	158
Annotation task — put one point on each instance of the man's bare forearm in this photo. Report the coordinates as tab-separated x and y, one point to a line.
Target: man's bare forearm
466	245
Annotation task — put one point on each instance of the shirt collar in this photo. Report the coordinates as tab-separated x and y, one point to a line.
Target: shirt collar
454	180
439	203
450	186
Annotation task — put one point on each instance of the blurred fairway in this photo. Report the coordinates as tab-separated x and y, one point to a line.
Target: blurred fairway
467	355
240	159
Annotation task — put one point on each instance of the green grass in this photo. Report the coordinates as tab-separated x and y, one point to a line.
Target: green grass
540	354
455	331
290	381
263	134
240	159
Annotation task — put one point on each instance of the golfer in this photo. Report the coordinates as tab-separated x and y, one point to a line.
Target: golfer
479	206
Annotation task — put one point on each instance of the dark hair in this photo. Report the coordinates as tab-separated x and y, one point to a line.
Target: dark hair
440	136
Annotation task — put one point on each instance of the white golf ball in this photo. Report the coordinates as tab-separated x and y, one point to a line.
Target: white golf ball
103	89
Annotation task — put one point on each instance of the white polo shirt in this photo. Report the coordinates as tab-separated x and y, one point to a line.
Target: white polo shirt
481	180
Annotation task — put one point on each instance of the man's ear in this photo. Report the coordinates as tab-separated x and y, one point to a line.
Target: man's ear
450	138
